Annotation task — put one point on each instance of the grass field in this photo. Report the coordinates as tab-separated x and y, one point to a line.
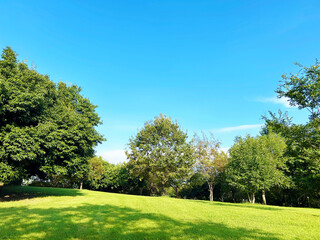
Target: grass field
48	213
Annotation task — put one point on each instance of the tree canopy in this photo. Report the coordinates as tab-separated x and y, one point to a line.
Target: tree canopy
160	154
211	160
303	89
256	164
303	140
45	128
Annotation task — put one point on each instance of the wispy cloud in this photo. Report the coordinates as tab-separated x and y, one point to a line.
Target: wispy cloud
239	128
114	156
283	101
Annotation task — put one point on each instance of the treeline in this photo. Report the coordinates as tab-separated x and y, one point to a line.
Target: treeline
47	131
280	166
163	162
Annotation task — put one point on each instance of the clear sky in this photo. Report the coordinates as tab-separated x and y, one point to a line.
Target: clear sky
211	65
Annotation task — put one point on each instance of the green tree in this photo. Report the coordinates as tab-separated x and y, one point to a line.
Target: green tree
256	164
7	174
46	129
160	154
303	140
211	161
96	172
303	89
110	177
303	144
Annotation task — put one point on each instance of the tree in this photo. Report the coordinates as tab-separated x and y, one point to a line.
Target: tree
46	129
256	164
160	154
211	161
303	89
106	176
7	174
118	179
303	154
96	172
303	140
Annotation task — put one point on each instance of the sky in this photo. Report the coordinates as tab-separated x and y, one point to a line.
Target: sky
211	65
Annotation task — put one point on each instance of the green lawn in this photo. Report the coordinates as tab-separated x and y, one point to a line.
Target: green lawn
48	213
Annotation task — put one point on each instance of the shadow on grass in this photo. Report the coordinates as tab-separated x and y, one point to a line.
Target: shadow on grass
16	193
245	205
90	221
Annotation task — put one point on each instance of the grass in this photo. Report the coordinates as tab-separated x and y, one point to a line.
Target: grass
48	213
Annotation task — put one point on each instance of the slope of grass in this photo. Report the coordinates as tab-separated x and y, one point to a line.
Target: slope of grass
74	214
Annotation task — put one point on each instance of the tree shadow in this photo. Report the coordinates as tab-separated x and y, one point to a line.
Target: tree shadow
245	205
16	193
92	221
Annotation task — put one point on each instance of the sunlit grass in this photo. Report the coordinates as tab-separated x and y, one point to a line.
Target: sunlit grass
74	214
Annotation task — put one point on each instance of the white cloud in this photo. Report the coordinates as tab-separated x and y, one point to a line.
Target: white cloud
283	101
115	156
239	128
225	149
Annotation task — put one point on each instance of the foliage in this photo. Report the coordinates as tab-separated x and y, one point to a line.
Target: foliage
110	177
303	140
7	173
303	143
303	89
160	154
44	127
96	172
211	161
120	180
196	187
257	164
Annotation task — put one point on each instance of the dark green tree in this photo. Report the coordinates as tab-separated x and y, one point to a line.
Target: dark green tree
303	89
160	154
45	129
303	140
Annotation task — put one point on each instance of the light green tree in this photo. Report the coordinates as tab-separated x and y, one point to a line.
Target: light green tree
211	160
160	154
256	164
96	172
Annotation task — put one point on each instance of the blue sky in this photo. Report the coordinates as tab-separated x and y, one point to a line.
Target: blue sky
211	65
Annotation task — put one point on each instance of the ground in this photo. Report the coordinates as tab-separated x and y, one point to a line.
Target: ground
50	213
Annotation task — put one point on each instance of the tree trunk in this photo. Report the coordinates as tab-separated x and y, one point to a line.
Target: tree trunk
308	199
141	190
1	185
152	189
251	198
264	200
222	198
211	192
81	184
233	196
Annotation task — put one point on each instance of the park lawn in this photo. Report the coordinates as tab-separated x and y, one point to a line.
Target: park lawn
52	213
